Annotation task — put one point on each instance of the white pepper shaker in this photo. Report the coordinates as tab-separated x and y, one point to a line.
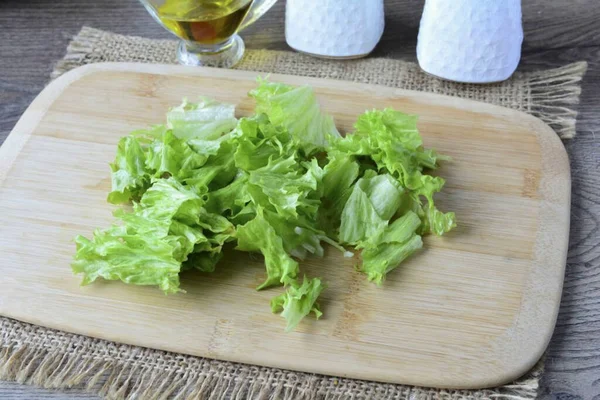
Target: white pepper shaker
475	41
334	28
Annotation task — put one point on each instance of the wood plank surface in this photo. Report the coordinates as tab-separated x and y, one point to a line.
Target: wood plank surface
484	297
34	34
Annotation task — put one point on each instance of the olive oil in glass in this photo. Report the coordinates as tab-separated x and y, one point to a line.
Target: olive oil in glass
208	28
205	22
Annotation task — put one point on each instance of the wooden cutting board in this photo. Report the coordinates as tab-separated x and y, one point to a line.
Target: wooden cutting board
475	308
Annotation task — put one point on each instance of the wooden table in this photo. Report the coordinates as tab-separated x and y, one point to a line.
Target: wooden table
34	35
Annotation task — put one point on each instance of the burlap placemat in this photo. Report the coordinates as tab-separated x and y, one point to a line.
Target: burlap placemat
53	359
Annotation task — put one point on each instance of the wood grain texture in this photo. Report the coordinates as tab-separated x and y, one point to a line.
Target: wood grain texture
484	298
556	32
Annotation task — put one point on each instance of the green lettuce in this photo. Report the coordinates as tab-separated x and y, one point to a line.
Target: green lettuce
205	120
385	251
218	171
259	235
130	176
386	143
392	143
281	182
297	110
150	244
298	301
373	202
288	186
123	254
194	132
435	221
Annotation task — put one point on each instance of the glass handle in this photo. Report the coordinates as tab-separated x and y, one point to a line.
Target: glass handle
258	8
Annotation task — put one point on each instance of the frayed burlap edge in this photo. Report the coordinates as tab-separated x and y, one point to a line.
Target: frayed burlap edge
554	94
52	359
551	95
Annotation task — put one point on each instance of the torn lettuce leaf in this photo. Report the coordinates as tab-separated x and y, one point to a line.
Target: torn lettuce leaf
386	143
172	156
130	177
298	301
390	123
391	140
373	202
287	186
378	261
439	222
435	221
298	235
218	171
204	120
120	254
296	109
339	174
385	251
151	243
164	150
259	236
229	200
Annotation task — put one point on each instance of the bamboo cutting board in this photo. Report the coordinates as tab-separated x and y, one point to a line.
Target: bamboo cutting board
475	308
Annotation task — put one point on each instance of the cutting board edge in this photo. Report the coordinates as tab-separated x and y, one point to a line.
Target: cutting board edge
548	139
31	117
545	281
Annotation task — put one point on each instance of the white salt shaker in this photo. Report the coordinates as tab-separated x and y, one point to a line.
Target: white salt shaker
334	28
475	41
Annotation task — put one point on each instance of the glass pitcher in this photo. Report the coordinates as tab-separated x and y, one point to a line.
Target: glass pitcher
208	29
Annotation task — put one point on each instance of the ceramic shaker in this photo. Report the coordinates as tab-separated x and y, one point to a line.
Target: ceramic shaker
334	28
476	41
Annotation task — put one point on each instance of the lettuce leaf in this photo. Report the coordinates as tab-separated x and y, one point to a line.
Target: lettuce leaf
391	140
298	235
152	242
206	119
435	221
298	301
165	150
384	252
130	177
296	109
259	235
121	254
386	143
287	186
203	261
172	156
373	202
379	261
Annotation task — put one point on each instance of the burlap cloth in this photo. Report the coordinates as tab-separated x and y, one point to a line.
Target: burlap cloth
54	359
